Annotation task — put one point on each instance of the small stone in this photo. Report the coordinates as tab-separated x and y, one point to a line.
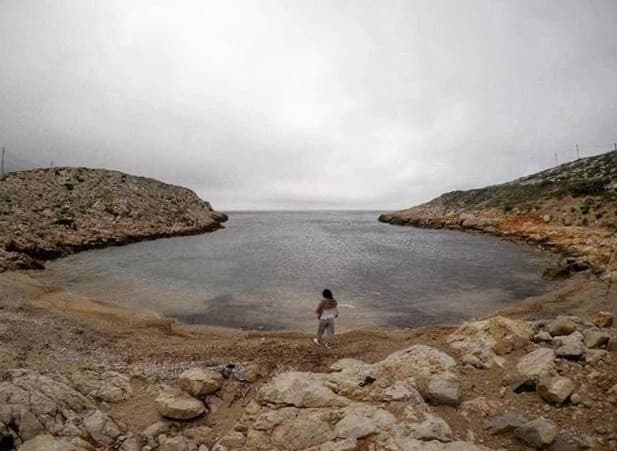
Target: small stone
470	436
596	338
542	336
572	346
200	382
433	428
595	355
555	389
177	443
507	422
561	326
473	360
529	368
178	405
233	439
538	433
575	398
151	433
443	390
603	319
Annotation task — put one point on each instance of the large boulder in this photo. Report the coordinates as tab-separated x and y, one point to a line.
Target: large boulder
200	382
177	405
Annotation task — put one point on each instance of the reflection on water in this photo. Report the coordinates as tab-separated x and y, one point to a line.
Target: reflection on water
266	270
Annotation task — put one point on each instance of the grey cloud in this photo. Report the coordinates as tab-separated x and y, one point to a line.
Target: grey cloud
329	104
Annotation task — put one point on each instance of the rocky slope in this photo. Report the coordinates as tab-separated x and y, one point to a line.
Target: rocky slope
572	207
47	213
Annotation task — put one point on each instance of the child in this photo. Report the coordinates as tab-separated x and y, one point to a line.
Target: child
326	312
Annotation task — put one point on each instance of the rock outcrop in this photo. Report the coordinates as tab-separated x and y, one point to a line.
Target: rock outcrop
48	213
33	405
569	208
337	410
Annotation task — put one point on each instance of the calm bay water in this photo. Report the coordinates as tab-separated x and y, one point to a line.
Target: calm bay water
266	271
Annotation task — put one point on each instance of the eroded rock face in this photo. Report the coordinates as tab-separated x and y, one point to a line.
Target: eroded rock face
103	385
300	390
177	405
34	405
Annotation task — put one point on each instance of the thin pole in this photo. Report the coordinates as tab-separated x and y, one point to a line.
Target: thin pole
2	165
578	155
556	160
615	145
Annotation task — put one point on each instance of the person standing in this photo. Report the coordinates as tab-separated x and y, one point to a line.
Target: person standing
327	311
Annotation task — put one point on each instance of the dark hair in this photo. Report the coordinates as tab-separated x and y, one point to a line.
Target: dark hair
327	294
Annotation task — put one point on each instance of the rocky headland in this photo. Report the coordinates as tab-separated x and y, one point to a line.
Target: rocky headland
571	209
49	213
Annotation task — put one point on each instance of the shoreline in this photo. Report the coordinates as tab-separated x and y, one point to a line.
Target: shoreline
560	242
96	344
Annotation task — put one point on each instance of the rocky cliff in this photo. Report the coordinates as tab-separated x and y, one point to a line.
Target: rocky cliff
572	207
48	213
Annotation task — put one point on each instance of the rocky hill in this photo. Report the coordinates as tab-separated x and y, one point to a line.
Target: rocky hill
47	213
572	207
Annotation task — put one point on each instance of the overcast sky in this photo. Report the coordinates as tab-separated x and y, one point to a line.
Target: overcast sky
309	104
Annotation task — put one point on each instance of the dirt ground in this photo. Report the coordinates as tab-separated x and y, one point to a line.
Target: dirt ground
49	329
